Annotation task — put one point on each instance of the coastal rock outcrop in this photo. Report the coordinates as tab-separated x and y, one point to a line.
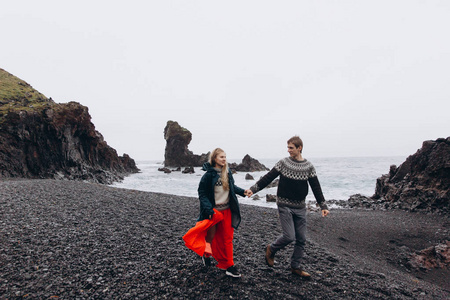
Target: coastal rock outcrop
432	257
177	153
421	183
248	164
43	139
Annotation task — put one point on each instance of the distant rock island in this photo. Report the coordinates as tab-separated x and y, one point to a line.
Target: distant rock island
248	164
43	139
177	153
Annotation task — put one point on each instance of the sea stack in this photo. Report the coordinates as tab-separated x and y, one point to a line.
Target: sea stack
177	153
43	139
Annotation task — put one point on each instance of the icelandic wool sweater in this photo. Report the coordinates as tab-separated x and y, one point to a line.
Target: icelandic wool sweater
220	194
293	185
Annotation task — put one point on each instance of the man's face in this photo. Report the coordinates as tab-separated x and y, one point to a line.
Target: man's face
293	150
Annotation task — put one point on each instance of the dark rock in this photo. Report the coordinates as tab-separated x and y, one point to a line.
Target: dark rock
271	198
359	200
177	153
165	170
249	177
42	139
431	258
422	182
248	164
188	170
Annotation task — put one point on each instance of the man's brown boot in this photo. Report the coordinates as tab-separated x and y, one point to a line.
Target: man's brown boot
269	256
303	274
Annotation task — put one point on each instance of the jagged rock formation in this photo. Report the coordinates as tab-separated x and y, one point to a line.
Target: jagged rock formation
248	164
177	153
432	257
42	139
421	183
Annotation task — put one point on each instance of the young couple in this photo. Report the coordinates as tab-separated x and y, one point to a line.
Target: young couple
212	235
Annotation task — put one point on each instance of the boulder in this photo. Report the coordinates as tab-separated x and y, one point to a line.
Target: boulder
249	177
188	170
43	139
360	201
165	170
421	183
248	164
431	258
177	153
271	198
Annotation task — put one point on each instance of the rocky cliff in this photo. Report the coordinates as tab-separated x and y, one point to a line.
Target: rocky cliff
177	153
422	182
42	139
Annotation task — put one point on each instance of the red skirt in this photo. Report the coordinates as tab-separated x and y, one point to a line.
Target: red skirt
222	244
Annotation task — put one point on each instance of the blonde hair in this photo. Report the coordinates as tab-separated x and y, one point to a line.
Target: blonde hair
224	173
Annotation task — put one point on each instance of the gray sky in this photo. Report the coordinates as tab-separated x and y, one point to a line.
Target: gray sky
352	78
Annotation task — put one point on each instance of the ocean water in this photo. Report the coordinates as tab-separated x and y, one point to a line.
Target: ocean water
339	177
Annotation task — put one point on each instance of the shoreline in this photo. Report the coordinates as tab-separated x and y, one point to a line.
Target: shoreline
72	239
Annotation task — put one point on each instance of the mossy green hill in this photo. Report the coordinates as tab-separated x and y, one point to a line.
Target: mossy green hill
43	139
16	95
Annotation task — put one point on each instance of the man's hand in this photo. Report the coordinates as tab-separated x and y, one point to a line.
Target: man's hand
248	193
325	212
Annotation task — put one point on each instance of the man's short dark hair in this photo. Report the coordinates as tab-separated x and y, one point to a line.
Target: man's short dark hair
296	140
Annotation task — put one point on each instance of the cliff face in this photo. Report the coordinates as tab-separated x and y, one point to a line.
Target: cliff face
422	182
42	139
177	153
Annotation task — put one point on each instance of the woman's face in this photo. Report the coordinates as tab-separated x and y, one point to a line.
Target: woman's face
221	159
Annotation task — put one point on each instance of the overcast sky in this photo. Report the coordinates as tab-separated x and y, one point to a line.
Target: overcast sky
352	78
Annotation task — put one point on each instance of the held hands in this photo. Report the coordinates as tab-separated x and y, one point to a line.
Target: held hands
325	212
248	193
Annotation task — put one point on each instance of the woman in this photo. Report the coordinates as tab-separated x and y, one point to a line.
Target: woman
219	215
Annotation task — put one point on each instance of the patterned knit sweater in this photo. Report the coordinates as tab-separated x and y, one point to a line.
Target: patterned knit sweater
293	185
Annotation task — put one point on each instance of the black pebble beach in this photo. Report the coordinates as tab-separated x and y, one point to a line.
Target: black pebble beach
76	240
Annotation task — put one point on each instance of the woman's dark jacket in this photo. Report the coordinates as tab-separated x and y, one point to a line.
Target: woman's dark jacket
206	195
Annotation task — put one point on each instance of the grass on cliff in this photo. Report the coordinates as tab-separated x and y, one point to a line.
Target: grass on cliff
17	95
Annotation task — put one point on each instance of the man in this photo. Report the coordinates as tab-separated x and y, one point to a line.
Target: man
295	173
